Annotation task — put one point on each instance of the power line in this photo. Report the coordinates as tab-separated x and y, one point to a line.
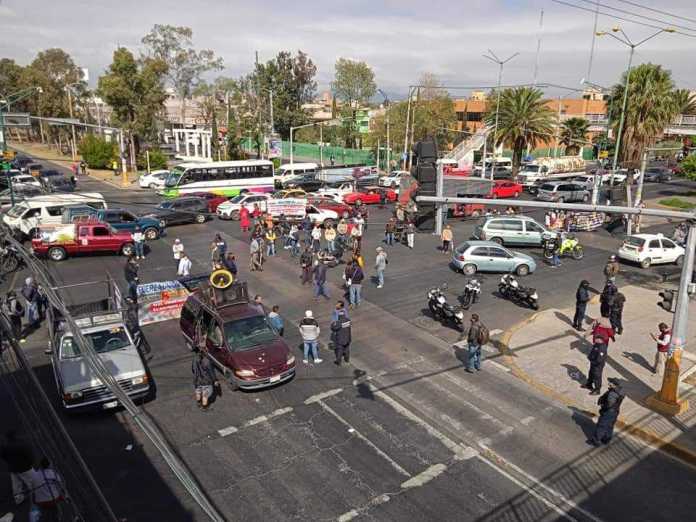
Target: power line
634	4
638	15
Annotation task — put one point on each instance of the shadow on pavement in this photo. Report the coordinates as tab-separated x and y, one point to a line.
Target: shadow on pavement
638	359
575	373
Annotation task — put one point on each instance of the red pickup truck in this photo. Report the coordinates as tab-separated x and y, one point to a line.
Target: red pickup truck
59	241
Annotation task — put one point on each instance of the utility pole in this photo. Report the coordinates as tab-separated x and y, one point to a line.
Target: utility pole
321	146
408	115
270	105
413	130
72	124
258	101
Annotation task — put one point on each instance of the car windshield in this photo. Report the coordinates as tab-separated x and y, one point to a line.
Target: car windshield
248	333
547	186
173	177
166	205
17	211
635	241
109	340
531	168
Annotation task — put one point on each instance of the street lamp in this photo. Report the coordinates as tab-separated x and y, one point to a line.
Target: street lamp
492	57
73	149
626	41
386	107
597	180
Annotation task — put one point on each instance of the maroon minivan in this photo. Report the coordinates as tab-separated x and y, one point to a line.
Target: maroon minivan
237	336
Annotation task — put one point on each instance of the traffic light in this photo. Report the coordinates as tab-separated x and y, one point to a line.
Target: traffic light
669	300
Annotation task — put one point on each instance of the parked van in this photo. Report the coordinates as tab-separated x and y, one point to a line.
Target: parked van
25	217
290	171
511	230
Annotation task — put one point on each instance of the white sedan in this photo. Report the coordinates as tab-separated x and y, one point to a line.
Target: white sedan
651	249
154	179
392	180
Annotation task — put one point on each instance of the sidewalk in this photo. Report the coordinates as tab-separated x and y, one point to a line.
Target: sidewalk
547	353
43	152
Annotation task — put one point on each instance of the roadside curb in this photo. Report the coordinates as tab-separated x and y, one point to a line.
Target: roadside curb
672	448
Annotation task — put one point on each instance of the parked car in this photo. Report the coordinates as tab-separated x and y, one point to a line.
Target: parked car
181	211
586	181
289	193
238	338
25	179
214	200
57	242
230	209
21	162
337	189
657	174
487	256
118	218
517	230
306	182
506	189
392	180
328	203
57	184
563	192
651	249
153	180
21	192
368	196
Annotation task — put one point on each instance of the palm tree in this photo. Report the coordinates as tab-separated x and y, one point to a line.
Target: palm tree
651	107
574	134
686	101
523	119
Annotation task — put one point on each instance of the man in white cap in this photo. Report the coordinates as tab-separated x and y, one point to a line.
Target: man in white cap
380	266
309	329
177	250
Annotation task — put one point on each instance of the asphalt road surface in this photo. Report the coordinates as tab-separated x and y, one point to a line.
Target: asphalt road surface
401	433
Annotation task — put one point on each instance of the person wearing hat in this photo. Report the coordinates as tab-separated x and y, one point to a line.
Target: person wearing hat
582	297
611	270
138	242
177	250
609	406
309	329
380	265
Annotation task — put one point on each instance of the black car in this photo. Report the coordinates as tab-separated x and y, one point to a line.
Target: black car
34	166
657	174
307	182
181	211
21	162
57	184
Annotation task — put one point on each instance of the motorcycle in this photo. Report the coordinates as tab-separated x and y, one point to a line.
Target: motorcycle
442	310
570	246
510	289
10	260
472	291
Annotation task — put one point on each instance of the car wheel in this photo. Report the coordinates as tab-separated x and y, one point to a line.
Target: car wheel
522	270
151	234
152	186
585	198
679	261
200	218
497	240
235	215
57	254
645	263
469	269
560	200
127	250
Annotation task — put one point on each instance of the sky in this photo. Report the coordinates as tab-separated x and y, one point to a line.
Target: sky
399	39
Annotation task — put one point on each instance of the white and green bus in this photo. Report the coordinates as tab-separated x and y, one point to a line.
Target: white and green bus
225	178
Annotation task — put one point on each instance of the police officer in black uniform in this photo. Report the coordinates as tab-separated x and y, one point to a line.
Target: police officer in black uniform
609	406
341	337
582	297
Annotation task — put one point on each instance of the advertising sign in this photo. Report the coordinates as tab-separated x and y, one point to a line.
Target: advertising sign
291	207
160	301
275	148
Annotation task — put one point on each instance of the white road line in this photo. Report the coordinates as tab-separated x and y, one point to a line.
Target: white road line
264	418
496	331
224	432
425	476
498	365
460	452
367	441
526	421
323	395
350	515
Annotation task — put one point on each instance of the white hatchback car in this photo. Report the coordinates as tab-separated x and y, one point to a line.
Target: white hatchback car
153	180
651	249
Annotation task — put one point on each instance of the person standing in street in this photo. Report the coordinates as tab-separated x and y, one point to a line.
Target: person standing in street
20	460
381	263
244	221
276	320
330	236
339	310
342	230
611	269
320	281
306	266
138	243
582	297
606	299
616	312
447	238
410	234
270	241
609	407
601	333
177	250
230	264
663	340
14	310
204	379
354	279
316	238
184	269
389	230
309	330
341	336
476	338
221	245
130	272
254	249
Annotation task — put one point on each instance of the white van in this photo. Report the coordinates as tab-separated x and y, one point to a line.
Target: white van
26	216
290	171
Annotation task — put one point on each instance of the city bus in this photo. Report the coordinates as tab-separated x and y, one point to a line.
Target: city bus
225	178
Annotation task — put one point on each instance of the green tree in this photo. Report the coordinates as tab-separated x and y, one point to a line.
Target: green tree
11	80
135	91
651	106
689	167
353	85
685	100
97	152
574	135
524	120
185	65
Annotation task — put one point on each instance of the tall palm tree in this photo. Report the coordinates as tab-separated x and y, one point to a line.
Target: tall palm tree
651	107
523	119
685	100
574	134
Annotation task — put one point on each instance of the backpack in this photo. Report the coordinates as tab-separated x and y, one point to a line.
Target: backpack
483	335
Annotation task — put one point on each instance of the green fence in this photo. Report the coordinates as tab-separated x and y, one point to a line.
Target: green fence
311	151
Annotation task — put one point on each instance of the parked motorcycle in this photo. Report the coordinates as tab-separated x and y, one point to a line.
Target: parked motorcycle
442	310
10	260
510	289
472	292
570	246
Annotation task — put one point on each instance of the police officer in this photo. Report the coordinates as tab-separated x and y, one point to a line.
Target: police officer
616	312
341	336
582	297
601	333
609	406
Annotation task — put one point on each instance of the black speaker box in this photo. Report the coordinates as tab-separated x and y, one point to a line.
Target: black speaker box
426	150
425	218
426	173
427	189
